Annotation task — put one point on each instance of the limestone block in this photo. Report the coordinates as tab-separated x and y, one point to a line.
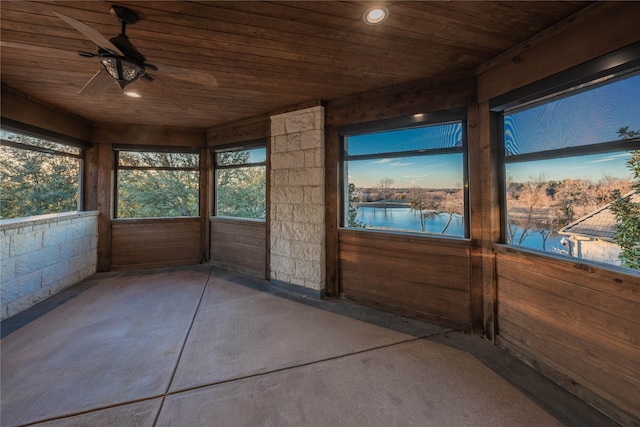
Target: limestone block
49	255
314	158
55	273
282	212
278	275
300	121
3	312
287	160
7	269
314	195
313	214
282	264
293	142
26	264
307	250
308	270
281	230
28	284
26	301
286	195
56	235
24	243
279	144
67	249
278	124
281	247
308	232
310	140
8	291
281	177
5	244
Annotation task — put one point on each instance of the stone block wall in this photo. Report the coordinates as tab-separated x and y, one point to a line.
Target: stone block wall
297	233
42	255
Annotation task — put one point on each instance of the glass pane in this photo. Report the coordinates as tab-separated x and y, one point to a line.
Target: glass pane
420	138
158	193
422	194
34	183
589	117
242	157
38	142
562	205
158	159
241	192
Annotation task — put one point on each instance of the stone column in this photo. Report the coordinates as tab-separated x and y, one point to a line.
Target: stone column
297	199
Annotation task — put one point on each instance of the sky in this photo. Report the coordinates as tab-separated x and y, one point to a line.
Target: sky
589	117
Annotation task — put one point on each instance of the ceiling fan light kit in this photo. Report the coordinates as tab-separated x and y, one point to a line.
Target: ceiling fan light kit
121	60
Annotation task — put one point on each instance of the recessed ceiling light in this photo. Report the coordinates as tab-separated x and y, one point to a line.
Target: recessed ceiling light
132	94
375	15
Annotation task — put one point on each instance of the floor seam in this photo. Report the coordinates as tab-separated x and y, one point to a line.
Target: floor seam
184	344
288	368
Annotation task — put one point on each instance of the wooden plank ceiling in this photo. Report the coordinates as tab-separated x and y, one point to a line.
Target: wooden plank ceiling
266	56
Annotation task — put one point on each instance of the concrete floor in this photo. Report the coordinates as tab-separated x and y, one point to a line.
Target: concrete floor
197	347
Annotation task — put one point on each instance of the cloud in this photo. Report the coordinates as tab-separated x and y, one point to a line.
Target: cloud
399	164
382	161
611	158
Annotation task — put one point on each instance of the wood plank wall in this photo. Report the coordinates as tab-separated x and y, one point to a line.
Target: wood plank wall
423	278
156	242
419	276
577	323
239	245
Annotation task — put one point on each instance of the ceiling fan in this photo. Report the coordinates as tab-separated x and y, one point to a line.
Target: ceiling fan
120	60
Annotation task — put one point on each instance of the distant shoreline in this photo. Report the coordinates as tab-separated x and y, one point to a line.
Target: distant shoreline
388	205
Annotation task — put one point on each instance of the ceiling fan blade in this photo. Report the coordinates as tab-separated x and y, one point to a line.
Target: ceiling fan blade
97	84
191	76
67	54
163	89
90	33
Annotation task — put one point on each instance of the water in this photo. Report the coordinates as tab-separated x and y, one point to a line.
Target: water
404	219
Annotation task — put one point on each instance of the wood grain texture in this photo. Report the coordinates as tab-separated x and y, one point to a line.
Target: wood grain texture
110	133
577	323
266	56
594	31
105	205
244	130
427	278
24	109
239	245
156	242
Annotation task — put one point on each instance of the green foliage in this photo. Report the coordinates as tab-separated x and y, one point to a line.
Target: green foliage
152	193
352	213
35	183
241	192
627	214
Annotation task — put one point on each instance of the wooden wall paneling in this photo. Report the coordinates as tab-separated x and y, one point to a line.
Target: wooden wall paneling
594	31
243	130
239	245
90	179
22	108
105	205
409	274
576	323
477	210
148	135
332	209
422	96
156	242
206	196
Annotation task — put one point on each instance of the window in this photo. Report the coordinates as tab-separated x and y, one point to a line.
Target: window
407	175
240	189
152	184
566	159
38	176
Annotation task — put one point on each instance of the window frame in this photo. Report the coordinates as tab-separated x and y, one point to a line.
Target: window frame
153	149
396	124
228	148
584	77
40	133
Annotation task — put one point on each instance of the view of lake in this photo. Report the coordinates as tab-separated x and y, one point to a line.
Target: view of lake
404	219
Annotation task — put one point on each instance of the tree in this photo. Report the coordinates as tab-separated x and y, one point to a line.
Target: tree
627	214
352	213
240	191
36	183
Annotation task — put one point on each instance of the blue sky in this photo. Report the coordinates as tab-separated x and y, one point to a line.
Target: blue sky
589	117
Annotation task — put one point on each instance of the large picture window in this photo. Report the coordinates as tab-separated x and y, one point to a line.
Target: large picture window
569	161
38	176
240	189
152	184
410	177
